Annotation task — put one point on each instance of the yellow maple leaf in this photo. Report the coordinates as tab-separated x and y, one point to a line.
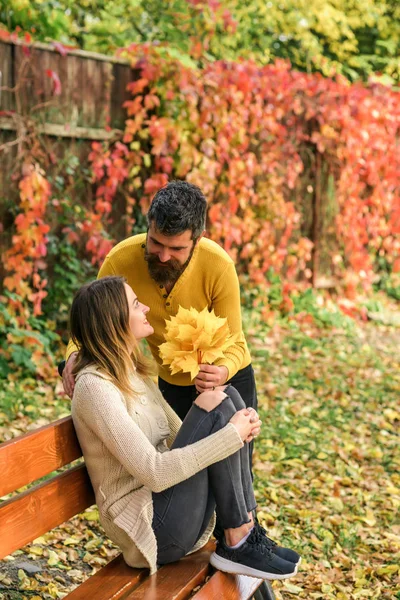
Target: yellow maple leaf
192	338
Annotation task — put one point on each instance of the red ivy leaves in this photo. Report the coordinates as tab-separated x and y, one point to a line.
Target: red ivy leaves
26	256
57	88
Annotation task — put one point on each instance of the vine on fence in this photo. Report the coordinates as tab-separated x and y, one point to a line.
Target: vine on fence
238	131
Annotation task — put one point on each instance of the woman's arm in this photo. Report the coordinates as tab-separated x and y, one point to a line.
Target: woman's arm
99	404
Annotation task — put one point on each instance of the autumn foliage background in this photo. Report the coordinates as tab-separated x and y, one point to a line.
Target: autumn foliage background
301	173
289	121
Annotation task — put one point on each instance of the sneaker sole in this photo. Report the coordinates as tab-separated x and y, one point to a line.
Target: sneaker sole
223	564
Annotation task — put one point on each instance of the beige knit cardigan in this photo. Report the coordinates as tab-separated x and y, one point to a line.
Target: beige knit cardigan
125	443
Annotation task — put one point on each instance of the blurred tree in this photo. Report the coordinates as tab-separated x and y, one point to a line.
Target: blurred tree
353	37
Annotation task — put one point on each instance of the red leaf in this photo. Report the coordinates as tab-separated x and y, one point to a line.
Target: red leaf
60	48
56	82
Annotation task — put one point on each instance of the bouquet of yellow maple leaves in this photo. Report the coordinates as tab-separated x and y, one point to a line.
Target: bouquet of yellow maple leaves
193	338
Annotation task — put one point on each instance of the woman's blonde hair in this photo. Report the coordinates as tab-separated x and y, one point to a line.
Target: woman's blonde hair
99	324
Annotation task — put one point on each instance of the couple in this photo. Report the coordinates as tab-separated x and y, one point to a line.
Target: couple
158	481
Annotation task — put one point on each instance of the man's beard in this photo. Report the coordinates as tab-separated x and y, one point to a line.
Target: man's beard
168	272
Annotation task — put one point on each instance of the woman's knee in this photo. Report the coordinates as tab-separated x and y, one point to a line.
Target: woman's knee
211	398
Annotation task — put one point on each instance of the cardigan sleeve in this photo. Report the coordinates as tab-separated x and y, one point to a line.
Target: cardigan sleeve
100	405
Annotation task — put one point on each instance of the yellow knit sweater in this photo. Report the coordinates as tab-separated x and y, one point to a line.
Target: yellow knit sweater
125	441
210	280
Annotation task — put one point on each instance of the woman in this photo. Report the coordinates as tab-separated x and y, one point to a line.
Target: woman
158	481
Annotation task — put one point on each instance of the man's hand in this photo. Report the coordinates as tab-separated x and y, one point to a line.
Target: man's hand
68	378
210	376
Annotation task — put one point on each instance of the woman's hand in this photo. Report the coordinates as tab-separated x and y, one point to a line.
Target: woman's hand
246	422
255	419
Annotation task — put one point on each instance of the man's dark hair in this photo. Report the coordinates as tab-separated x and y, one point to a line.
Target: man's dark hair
177	207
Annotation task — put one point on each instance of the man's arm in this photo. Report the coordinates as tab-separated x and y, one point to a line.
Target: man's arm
226	303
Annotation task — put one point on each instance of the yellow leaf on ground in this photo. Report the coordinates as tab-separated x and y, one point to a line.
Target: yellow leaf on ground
91	515
291	588
336	503
22	575
40	540
36	550
274	496
53	591
71	541
369	519
53	558
92	544
388	570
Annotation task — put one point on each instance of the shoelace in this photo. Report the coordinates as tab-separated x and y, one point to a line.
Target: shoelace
263	533
257	540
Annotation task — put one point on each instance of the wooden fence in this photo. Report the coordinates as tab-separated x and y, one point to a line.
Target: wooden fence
92	89
88	106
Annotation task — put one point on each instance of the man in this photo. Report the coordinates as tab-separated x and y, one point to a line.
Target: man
174	265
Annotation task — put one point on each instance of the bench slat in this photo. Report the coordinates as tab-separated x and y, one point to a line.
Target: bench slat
40	509
177	580
30	456
229	587
112	582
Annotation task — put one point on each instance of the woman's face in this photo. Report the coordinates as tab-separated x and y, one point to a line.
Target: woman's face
138	323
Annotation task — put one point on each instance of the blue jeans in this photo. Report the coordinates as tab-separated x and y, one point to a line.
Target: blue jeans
183	512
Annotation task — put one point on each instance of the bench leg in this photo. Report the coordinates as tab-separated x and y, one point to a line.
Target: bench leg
264	592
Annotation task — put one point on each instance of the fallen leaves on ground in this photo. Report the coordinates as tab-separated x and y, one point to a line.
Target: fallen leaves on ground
327	468
327	461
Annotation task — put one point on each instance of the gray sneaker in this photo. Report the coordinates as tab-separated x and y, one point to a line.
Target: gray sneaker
253	558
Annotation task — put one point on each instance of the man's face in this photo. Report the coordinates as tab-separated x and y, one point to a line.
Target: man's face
167	256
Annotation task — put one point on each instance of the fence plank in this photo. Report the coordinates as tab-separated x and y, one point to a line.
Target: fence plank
65	130
6	97
122	75
93	87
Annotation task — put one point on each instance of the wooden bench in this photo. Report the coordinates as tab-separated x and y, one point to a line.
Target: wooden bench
28	515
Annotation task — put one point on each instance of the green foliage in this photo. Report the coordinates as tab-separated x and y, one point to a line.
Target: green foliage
355	38
19	344
390	284
289	305
20	398
312	303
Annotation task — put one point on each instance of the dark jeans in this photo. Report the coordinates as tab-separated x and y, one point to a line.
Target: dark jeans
182	512
181	398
